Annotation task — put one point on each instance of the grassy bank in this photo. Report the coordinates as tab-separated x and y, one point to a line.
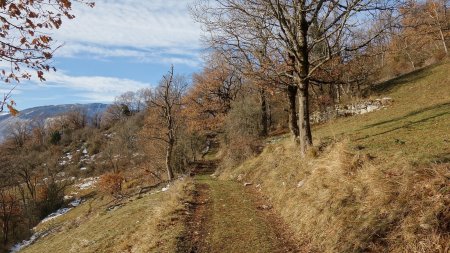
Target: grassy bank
415	126
377	182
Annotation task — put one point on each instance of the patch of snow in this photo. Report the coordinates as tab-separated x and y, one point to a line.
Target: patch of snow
85	151
83	168
75	203
19	246
62	211
165	188
88	183
56	214
61	174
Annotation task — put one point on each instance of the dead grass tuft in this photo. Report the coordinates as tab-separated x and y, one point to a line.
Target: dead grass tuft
342	202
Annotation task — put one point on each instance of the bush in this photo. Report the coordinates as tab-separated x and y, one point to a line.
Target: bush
50	197
111	183
55	138
242	131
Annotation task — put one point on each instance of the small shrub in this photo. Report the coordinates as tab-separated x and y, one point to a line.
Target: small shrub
55	138
111	183
50	197
242	131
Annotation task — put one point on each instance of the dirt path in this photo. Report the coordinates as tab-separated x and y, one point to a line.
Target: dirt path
226	216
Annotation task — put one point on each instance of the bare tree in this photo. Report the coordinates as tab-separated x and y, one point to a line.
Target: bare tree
142	97
303	34
20	132
163	121
9	208
76	118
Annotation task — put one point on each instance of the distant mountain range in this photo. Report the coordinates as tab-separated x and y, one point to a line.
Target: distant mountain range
43	113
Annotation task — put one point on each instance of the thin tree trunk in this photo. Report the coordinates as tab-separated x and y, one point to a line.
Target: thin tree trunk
269	114
293	118
5	232
264	116
440	29
443	41
338	93
169	160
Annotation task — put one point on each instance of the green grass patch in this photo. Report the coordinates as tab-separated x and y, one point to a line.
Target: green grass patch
416	126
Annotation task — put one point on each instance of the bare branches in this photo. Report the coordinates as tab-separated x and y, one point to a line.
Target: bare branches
289	42
164	108
24	40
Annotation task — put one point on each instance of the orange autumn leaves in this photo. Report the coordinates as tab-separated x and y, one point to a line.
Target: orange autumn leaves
209	100
26	44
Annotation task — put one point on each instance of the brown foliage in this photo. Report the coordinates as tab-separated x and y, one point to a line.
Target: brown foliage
423	37
111	183
209	100
9	209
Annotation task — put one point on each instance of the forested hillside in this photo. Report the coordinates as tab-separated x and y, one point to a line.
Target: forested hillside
312	126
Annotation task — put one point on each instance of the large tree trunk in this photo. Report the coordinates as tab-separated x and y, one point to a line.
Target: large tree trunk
264	114
303	93
293	118
303	119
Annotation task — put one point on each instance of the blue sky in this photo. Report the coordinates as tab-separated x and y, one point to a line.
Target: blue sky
117	46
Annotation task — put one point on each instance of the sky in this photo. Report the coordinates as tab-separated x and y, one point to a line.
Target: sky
117	46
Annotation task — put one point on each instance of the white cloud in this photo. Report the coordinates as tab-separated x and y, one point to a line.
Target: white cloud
132	28
92	88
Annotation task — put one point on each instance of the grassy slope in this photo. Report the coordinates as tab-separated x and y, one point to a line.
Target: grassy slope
419	117
342	201
148	224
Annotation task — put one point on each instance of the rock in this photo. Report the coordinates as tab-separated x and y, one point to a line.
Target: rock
300	184
398	141
247	184
386	101
265	207
61	174
425	226
68	197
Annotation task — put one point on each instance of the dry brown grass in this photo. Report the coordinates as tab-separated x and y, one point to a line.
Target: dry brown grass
336	201
148	224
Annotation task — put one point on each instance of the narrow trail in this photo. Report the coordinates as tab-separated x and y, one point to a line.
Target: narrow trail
226	216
